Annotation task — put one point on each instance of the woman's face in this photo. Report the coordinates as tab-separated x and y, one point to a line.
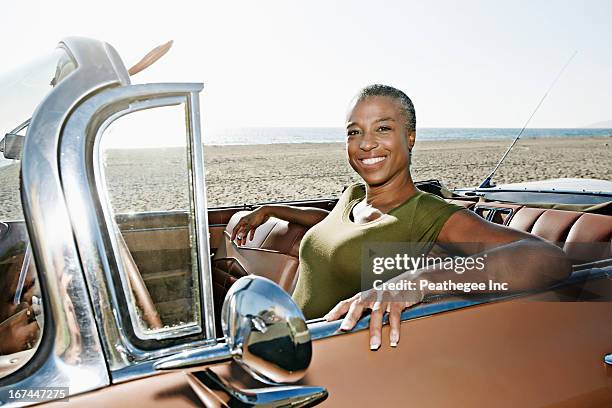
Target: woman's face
377	140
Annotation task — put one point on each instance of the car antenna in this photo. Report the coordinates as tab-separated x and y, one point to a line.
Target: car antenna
487	181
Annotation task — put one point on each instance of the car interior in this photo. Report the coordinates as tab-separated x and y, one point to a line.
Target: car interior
162	242
156	249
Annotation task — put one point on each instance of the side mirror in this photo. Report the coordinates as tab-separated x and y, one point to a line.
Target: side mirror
12	145
264	330
266	333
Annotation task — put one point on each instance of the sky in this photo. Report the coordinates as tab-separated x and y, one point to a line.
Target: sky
469	63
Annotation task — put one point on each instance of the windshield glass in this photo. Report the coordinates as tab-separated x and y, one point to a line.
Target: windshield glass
21	314
21	90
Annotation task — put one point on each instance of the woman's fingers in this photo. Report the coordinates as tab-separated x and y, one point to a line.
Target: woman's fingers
340	309
246	226
245	232
376	322
353	315
240	232
379	304
395	318
236	230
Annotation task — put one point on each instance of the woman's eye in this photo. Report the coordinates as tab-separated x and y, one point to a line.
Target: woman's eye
352	132
384	129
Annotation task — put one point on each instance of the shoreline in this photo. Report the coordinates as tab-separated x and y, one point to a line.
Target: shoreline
157	179
429	140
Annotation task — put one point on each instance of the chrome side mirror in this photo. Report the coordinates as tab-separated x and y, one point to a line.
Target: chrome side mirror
266	331
11	146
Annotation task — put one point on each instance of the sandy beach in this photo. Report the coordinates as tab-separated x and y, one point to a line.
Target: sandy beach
152	180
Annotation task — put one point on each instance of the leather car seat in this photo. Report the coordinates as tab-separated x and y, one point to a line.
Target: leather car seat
584	237
272	253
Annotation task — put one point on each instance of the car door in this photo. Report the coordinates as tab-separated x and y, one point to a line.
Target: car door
545	349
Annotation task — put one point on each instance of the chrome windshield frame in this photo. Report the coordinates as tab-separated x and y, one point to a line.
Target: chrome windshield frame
69	351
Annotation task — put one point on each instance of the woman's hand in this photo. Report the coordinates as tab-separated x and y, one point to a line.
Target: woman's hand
248	223
379	302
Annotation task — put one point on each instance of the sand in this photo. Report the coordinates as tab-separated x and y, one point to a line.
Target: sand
150	180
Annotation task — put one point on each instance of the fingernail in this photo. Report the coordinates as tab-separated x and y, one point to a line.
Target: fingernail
394	339
374	343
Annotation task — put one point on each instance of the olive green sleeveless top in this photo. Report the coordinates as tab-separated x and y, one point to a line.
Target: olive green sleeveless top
330	252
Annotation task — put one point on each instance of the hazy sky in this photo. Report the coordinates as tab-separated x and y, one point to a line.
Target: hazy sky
288	63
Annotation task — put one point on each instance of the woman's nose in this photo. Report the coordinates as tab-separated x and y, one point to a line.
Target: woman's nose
368	142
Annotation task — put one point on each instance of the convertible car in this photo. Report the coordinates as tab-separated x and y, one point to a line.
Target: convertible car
102	306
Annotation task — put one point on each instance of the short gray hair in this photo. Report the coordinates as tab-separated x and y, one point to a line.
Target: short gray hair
400	97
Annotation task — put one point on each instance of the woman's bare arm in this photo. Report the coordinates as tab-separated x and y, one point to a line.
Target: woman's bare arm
306	216
517	258
521	261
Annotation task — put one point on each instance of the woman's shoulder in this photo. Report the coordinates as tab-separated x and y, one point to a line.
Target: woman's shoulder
431	203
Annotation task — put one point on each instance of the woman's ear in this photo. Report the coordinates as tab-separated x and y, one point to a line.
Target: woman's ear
411	139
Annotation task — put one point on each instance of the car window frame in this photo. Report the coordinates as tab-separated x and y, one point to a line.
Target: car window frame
193	328
95	234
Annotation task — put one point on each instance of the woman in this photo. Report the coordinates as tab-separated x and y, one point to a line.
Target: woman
381	131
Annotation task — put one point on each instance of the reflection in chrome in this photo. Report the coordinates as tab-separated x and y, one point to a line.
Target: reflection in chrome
198	356
265	332
27	258
207	385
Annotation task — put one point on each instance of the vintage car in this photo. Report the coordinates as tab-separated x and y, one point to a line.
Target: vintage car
107	307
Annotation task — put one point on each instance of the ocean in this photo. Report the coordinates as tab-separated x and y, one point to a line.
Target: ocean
242	136
274	135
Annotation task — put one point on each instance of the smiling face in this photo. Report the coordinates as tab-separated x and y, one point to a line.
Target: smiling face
378	141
